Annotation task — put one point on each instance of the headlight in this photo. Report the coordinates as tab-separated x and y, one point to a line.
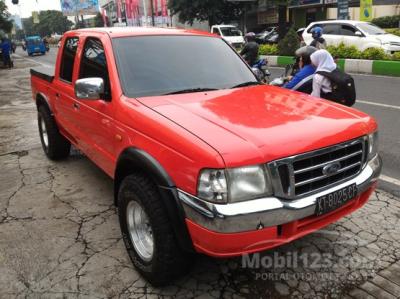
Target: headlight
212	185
234	184
373	144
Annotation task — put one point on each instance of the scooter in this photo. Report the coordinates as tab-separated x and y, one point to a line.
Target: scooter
280	81
260	69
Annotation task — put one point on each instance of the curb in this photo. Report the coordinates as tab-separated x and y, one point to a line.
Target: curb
375	67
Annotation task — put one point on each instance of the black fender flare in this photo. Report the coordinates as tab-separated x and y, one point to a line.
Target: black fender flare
41	99
136	160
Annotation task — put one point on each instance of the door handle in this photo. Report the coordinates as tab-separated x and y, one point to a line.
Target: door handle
76	106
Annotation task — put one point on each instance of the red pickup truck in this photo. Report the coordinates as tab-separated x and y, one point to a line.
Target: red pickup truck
204	157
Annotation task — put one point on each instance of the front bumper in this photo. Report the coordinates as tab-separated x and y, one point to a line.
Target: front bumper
275	220
391	49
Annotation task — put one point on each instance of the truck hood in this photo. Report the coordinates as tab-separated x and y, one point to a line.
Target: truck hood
261	123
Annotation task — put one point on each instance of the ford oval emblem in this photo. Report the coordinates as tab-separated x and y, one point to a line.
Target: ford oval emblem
331	168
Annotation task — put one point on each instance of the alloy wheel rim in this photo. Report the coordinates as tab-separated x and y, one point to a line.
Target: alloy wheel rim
45	136
140	231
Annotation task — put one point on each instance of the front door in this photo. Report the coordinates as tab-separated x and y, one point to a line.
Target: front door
95	117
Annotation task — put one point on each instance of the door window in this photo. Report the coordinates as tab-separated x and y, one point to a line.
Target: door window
348	30
333	29
68	58
216	31
94	64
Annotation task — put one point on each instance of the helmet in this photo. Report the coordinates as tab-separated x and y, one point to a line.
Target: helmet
250	36
305	53
316	32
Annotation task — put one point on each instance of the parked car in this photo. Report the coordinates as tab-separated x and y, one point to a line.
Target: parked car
262	36
362	35
205	159
34	44
230	33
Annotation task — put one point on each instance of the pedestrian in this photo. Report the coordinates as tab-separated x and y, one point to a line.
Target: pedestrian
323	61
318	41
6	52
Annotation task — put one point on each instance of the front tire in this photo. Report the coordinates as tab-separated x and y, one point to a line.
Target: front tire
147	232
54	145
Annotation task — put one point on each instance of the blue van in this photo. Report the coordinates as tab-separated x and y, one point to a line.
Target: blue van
34	44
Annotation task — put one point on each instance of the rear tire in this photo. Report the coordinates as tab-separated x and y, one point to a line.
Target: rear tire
158	258
54	145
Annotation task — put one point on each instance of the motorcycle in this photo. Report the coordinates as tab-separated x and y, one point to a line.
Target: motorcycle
289	71
260	69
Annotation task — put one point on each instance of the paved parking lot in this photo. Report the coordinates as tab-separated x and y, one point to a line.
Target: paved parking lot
59	233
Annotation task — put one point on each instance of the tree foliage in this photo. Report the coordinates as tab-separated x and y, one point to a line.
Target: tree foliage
213	11
289	44
98	20
5	23
50	21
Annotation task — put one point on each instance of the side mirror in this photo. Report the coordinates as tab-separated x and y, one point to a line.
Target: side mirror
358	33
89	88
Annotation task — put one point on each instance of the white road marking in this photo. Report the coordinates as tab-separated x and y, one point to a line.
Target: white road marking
35	61
379	104
389	179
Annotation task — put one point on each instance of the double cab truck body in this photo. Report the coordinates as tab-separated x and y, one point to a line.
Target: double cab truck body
204	158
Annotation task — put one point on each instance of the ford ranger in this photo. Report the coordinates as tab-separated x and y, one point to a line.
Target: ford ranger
204	158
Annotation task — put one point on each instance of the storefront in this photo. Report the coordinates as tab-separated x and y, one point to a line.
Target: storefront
303	12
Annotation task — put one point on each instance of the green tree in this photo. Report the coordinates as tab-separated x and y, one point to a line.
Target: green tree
50	21
5	23
289	44
98	20
213	11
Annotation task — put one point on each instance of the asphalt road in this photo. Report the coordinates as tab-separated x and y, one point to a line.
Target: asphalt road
376	95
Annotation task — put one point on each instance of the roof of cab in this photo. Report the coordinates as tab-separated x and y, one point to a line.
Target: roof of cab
140	31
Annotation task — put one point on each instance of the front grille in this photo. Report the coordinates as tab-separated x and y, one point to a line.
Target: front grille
395	44
312	172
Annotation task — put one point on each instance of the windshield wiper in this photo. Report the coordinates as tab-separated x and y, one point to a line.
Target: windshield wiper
188	90
244	84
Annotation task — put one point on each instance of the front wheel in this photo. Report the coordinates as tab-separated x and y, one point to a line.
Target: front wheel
54	144
147	232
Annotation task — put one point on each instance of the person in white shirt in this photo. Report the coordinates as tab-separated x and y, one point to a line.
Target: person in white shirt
323	61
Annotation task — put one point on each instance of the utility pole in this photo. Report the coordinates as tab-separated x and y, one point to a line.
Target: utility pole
144	11
152	12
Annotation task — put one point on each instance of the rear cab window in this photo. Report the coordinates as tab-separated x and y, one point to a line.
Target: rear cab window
68	59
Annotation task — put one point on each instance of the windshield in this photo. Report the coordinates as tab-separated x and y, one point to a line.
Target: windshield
371	29
230	31
158	65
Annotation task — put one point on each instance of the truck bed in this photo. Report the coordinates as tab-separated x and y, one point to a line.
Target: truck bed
45	73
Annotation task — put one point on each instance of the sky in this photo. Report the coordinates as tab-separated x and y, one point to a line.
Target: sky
27	6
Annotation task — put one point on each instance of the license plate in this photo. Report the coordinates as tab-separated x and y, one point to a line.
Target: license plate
335	199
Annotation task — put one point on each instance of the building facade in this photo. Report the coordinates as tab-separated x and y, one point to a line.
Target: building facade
303	12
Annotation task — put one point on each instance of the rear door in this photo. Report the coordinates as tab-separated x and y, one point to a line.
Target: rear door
63	93
331	33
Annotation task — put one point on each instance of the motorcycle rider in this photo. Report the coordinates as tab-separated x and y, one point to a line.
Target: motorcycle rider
302	80
250	50
318	41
